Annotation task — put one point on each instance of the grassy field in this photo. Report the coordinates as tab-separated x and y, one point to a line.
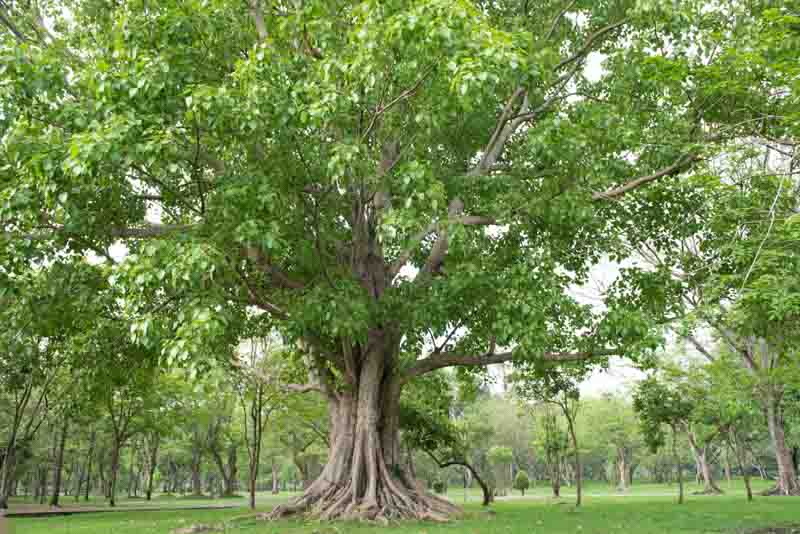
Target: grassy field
644	510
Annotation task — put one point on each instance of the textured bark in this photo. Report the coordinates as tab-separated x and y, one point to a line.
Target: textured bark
704	468
787	482
364	477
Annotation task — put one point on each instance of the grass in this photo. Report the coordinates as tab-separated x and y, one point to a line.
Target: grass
642	512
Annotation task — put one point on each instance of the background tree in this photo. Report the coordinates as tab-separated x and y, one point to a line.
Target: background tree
552	440
522	482
659	406
561	389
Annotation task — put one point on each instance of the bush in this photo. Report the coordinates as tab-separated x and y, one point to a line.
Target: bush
439	486
522	482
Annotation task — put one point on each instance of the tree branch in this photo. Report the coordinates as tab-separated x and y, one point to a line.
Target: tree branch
442	360
675	168
558	18
399	98
258	18
584	50
466	220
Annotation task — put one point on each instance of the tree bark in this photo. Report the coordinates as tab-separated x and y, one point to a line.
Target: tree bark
701	455
787	483
678	467
59	465
364	477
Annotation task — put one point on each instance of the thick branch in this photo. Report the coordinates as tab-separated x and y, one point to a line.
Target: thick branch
466	220
440	361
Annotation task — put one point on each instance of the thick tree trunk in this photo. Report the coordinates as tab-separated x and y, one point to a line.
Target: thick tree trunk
59	465
787	483
363	477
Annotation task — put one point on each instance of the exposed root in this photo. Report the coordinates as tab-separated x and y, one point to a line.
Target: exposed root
777	491
394	503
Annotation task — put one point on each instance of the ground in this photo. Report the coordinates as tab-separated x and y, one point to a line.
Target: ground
647	509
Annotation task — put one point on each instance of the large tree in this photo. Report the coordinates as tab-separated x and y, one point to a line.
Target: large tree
366	174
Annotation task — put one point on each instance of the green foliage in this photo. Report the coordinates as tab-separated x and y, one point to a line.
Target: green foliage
521	481
659	405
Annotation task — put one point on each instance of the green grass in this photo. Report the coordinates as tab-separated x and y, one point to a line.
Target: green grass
607	513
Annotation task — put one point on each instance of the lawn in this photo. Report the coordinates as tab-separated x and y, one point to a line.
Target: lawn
641	512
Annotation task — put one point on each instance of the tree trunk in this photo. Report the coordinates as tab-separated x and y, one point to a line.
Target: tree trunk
59	465
678	468
578	468
89	469
152	462
112	478
9	466
233	471
787	483
622	468
738	453
701	455
555	482
275	487
727	469
197	462
364	477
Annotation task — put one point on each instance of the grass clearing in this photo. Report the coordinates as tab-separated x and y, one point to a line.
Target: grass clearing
640	512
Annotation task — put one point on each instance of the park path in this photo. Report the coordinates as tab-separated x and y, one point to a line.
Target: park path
34	510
